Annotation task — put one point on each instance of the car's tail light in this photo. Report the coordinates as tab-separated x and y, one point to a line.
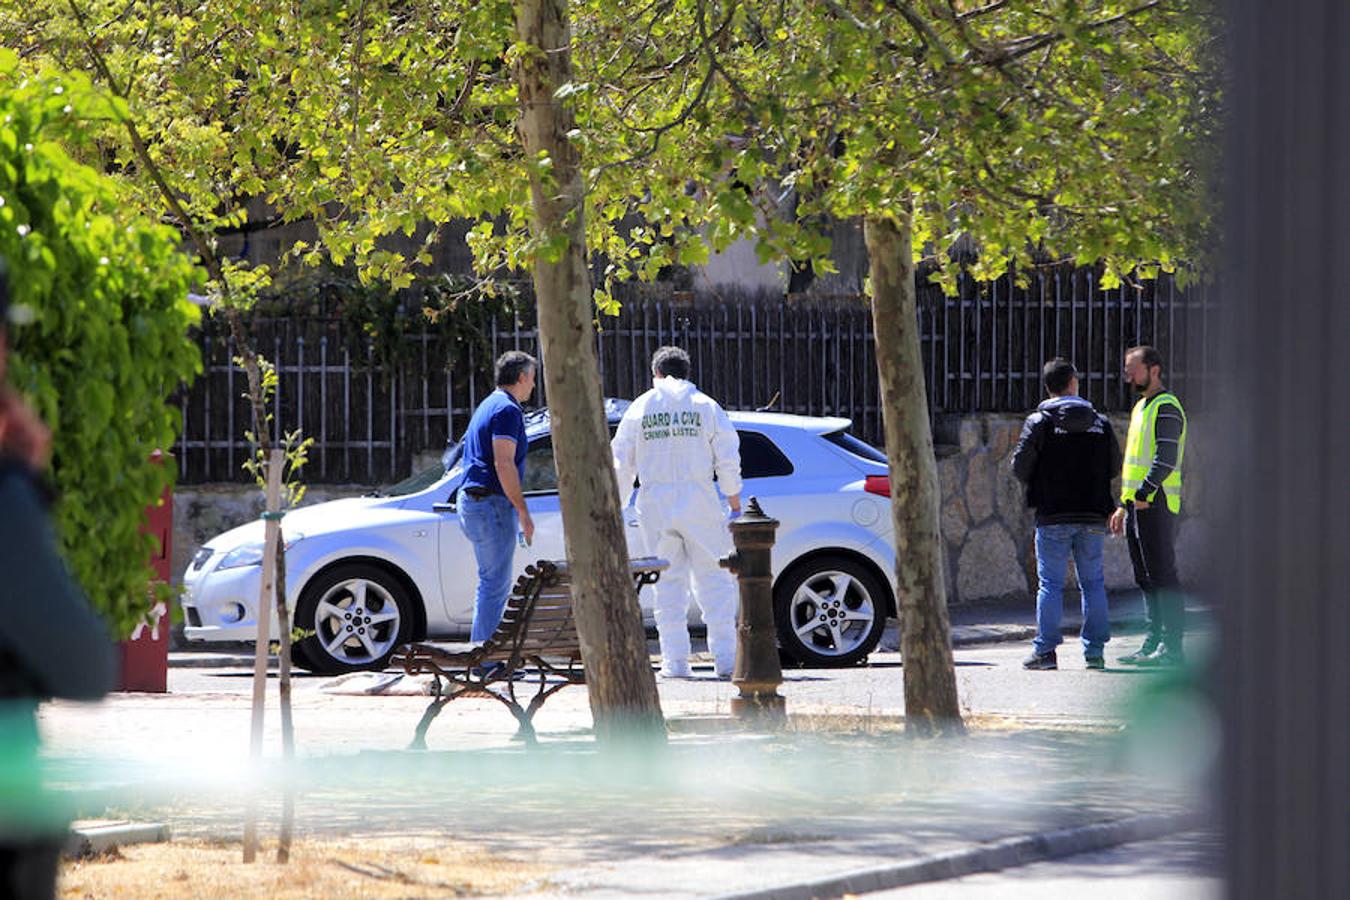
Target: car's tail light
878	484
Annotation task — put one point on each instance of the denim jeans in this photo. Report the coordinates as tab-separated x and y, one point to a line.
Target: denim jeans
490	524
1054	545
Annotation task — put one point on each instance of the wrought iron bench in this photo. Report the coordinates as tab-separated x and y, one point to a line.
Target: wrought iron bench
536	645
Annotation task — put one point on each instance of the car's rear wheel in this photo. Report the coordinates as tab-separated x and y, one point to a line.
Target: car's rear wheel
355	616
830	611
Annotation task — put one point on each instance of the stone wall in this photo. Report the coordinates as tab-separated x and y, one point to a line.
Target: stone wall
988	534
200	512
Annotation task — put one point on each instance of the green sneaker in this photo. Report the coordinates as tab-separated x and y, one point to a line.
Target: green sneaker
1149	647
1163	659
1095	662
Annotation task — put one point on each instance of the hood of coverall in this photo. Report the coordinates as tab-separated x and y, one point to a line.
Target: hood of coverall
674	388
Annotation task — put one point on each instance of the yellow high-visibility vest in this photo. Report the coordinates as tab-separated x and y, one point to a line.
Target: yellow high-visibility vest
1141	446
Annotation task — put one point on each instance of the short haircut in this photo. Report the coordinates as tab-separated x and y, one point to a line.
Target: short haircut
511	365
1149	356
1057	374
672	362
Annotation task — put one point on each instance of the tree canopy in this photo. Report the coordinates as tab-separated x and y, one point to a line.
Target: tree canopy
1022	132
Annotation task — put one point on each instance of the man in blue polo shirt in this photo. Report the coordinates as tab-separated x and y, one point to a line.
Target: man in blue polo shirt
491	502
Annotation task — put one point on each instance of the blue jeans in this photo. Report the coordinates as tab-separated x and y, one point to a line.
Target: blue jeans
490	524
1054	544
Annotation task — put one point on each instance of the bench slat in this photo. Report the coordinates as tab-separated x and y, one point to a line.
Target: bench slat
552	638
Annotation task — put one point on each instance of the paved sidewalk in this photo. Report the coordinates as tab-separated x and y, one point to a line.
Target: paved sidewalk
1015	619
841	802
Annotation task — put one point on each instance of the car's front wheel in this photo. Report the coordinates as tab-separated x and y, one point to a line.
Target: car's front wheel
354	615
830	611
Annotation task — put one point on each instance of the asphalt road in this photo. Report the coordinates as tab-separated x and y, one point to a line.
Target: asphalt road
990	681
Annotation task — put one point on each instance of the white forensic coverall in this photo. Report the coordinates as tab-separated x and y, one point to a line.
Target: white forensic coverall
675	438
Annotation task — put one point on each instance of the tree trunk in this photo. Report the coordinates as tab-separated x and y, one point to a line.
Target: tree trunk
624	701
931	704
271	538
284	705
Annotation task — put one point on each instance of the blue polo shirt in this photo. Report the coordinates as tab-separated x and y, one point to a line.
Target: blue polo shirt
498	416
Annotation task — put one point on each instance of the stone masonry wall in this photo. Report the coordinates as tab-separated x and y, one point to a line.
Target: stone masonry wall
988	534
200	512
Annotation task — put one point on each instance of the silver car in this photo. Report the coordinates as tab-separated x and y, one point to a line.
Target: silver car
366	574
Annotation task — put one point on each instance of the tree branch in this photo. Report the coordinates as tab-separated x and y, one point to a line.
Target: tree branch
356	86
924	30
714	68
1031	43
204	249
859	24
470	77
982	10
142	151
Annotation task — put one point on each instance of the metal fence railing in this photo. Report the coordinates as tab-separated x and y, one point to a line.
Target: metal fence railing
982	351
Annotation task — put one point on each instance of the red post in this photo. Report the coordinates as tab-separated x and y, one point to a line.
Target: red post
145	655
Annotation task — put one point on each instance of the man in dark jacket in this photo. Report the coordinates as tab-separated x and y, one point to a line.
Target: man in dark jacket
1067	456
51	645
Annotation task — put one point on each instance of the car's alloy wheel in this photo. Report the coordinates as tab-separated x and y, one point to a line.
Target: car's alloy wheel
358	616
829	612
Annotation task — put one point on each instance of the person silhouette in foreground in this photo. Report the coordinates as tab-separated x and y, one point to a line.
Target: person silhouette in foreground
51	643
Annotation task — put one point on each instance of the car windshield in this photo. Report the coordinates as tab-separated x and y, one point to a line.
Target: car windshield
424	479
536	424
416	482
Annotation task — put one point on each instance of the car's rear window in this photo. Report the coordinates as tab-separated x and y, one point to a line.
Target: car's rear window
856	446
761	458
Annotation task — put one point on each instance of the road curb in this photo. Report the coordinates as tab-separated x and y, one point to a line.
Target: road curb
971	635
988	857
100	837
205	660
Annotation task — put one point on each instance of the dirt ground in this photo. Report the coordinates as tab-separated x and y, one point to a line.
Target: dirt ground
383	867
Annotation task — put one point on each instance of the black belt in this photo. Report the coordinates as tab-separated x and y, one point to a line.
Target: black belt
478	493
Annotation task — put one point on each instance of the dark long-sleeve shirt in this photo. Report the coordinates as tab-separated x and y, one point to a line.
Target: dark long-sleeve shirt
51	645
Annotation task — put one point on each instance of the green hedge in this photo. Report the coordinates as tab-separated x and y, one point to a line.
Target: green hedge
98	333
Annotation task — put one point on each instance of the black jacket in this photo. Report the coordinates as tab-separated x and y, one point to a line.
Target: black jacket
1067	456
51	643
